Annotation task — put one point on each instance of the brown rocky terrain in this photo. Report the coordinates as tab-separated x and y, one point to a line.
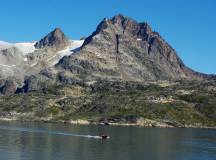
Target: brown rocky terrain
124	49
55	40
123	73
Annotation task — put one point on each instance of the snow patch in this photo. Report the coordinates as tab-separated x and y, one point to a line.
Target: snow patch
3	65
98	54
4	45
75	45
26	48
34	64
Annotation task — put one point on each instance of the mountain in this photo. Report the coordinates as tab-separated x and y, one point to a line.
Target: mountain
120	49
124	49
123	73
21	60
55	39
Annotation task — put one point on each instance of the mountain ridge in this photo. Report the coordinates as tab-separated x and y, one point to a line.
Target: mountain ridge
124	73
133	42
119	49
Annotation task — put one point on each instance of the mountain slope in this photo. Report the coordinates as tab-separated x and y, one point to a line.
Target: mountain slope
179	104
20	60
122	48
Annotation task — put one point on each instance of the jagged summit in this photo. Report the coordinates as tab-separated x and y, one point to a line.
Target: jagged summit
122	25
129	23
122	48
55	39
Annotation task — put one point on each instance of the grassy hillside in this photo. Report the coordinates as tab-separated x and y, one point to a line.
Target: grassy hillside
176	104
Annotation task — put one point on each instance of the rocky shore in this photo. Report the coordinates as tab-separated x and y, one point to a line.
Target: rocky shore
139	123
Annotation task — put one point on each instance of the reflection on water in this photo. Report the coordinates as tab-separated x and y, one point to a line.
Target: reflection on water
38	141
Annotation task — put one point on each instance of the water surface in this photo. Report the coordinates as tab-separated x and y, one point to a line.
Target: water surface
40	141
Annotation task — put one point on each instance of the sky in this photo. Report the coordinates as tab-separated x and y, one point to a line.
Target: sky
189	26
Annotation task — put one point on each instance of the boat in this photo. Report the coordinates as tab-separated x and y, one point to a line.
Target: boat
104	136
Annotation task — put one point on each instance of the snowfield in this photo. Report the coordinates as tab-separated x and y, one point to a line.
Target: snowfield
75	45
25	48
28	47
3	65
4	45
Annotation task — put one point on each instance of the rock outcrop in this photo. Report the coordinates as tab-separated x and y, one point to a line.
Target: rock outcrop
55	40
9	87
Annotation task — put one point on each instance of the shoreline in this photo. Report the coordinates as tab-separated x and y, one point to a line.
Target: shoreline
86	122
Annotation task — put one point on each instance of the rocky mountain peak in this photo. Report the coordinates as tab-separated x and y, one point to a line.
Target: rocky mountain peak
122	25
55	39
119	19
134	51
131	26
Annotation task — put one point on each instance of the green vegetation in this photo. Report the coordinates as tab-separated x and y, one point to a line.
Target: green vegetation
180	103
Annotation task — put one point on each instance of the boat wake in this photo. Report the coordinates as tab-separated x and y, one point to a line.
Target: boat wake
30	130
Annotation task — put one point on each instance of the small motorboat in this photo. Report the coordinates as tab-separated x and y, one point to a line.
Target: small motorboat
104	136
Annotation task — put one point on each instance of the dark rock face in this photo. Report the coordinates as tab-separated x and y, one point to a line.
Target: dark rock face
83	38
122	48
39	82
55	39
9	87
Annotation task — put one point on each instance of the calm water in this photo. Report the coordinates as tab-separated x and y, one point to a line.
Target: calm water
38	141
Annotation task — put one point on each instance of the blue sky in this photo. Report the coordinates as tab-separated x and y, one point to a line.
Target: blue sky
188	25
